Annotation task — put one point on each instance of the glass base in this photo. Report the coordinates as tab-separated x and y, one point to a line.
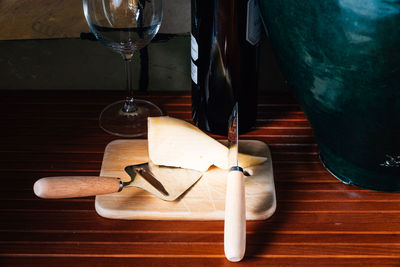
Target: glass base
115	121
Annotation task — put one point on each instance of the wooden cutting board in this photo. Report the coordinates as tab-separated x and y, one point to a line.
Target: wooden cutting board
205	200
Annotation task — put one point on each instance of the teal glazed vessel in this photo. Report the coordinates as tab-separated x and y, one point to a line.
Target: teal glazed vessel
342	59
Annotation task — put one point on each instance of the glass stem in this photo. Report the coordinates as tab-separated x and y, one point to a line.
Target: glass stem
129	106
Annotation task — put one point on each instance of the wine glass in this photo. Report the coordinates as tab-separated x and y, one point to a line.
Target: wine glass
125	26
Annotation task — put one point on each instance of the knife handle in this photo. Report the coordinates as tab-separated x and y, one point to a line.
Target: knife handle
75	186
235	217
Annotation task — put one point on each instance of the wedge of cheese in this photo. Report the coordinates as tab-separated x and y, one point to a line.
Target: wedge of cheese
174	142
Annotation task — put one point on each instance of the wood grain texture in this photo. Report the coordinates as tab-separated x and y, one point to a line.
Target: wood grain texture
205	199
319	221
235	217
75	186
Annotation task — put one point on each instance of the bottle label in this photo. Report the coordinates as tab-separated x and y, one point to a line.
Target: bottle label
193	69
194	48
254	24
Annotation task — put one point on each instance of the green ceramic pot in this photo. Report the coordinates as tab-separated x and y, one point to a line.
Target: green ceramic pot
342	59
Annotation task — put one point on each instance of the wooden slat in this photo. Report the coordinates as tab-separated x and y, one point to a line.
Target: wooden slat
215	249
286	220
295	206
277	237
125	260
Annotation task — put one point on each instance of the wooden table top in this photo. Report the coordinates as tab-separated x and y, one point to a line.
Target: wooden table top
319	220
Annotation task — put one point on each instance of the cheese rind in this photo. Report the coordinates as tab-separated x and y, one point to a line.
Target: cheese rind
177	143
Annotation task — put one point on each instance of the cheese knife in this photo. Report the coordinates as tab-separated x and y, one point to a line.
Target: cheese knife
83	186
235	207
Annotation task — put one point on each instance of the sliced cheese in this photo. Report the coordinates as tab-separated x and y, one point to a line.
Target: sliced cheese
177	143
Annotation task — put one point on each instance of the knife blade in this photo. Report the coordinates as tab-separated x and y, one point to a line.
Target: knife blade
233	138
235	206
144	171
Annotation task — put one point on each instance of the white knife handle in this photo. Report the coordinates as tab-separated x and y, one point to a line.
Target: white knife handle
235	217
75	186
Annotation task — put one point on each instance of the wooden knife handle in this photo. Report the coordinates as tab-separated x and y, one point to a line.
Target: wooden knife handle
75	186
235	217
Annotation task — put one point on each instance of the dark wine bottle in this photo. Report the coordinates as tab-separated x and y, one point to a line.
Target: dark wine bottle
224	62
